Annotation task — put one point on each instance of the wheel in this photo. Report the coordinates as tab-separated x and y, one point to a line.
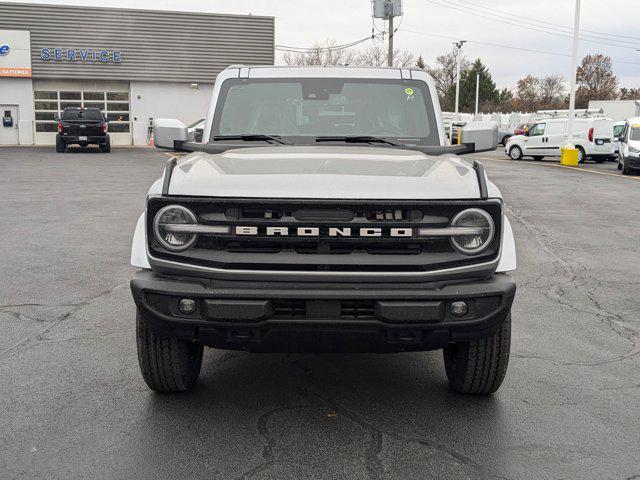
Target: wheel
505	140
619	163
625	169
581	156
515	152
538	157
479	366
60	146
167	364
106	147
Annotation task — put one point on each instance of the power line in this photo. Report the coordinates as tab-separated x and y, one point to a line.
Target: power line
536	28
510	47
565	27
331	48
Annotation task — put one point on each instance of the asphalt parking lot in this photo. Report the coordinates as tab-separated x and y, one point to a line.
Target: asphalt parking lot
74	405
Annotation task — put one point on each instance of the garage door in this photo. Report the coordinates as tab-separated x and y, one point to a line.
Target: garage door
50	104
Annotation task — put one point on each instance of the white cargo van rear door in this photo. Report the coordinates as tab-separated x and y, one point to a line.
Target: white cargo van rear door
603	136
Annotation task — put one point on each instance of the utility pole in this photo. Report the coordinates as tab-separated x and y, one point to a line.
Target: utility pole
390	54
477	91
458	55
569	153
574	67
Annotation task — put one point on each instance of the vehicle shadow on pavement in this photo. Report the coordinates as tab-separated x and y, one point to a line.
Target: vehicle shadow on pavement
322	415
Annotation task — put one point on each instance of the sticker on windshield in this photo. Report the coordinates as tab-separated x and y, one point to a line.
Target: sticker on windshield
409	92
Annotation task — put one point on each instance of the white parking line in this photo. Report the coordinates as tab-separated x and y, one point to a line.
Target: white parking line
557	165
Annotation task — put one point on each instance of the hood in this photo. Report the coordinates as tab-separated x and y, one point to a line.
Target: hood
333	172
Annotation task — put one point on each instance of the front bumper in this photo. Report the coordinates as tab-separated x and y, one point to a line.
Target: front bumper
296	317
632	161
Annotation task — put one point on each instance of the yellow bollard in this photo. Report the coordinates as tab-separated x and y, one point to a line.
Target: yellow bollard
569	156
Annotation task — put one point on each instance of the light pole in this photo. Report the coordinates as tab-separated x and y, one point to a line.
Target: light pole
458	55
477	91
569	151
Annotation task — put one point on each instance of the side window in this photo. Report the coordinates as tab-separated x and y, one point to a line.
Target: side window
537	129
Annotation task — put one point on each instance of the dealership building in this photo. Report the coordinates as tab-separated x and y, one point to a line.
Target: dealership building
134	65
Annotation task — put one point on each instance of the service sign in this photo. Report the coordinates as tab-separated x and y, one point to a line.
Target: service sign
81	55
15	53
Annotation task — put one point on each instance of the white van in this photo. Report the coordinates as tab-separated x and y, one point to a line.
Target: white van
593	137
629	157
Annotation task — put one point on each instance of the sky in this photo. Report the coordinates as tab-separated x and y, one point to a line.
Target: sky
500	23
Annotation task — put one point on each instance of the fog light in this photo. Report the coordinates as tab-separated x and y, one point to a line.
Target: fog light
187	306
459	309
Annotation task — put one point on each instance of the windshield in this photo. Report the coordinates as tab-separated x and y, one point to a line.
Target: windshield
617	130
86	114
318	107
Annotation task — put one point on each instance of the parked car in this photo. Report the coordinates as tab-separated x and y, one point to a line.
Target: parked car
593	137
522	128
504	136
82	126
194	131
324	211
629	158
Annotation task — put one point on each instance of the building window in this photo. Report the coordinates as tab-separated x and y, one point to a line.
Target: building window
70	96
52	116
46	127
118	96
64	105
40	95
93	96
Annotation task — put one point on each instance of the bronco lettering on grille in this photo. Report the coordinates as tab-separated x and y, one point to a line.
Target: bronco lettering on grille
324	231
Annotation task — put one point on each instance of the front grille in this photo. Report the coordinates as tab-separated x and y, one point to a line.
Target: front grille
348	309
329	248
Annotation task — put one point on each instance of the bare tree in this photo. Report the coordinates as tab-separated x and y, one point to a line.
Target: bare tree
444	71
596	80
527	94
376	56
551	92
321	54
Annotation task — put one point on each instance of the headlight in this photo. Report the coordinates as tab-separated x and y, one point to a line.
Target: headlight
171	238
472	244
633	149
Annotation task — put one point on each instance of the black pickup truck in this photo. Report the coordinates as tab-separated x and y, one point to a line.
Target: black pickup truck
82	126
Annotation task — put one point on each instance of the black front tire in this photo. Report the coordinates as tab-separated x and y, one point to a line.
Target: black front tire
60	145
106	147
478	367
167	364
515	153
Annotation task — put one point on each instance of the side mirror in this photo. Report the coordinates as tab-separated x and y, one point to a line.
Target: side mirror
620	139
482	136
167	132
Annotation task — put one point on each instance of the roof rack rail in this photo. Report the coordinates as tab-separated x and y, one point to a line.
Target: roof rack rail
584	112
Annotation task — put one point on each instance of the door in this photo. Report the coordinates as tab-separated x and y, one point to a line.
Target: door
535	141
556	137
9	125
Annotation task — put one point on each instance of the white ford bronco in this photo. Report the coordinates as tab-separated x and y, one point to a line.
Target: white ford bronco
324	210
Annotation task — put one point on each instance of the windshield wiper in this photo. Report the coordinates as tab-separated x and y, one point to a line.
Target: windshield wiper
358	139
253	137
